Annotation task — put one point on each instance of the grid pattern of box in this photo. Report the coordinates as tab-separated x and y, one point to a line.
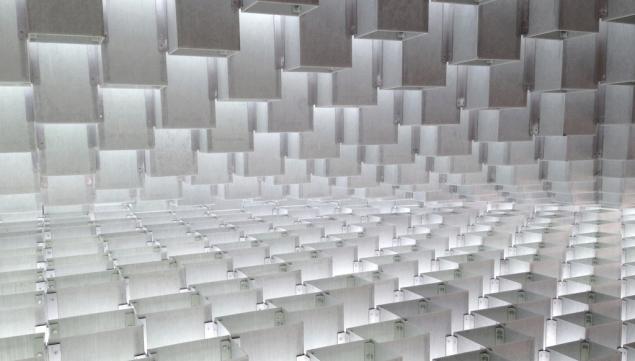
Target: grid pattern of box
323	180
124	101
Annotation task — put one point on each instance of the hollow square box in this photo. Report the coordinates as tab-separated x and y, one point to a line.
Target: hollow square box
620	54
567	113
621	11
417	62
486	34
203	28
14	59
391	19
557	19
280	7
133	55
566	65
66	21
319	41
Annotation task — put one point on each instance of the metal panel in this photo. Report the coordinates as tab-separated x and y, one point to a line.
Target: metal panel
319	41
296	171
402	152
161	188
567	113
133	55
292	113
464	2
128	119
241	187
259	54
16	120
119	169
416	62
347	164
17	174
67	190
486	34
510	153
203	28
213	168
234	129
619	104
188	100
497	86
351	87
322	142
369	176
434	106
620	59
443	140
391	19
280	7
266	158
402	174
72	21
13	57
622	11
563	65
66	149
173	153
72	68
618	141
560	19
371	124
504	125
572	147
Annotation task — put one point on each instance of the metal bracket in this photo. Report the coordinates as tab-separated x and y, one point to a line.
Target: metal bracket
279	318
225	350
369	351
